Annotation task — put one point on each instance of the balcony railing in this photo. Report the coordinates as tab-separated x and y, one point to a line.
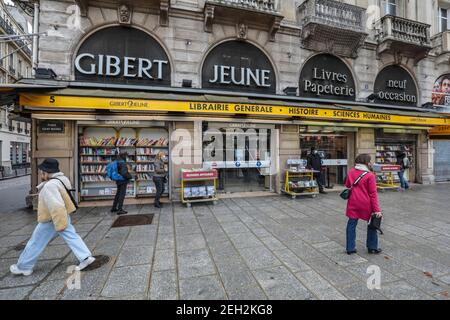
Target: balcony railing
12	71
259	5
404	30
441	47
332	26
333	13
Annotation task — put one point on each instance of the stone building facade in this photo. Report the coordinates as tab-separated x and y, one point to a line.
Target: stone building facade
365	35
15	63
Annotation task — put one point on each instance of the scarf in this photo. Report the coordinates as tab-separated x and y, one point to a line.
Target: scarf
361	167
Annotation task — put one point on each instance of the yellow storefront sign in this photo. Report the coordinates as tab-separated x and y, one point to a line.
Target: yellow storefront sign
440	131
72	102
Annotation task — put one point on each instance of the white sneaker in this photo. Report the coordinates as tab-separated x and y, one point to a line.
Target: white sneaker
15	270
83	264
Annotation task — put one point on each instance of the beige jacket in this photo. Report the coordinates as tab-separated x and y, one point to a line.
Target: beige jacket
54	202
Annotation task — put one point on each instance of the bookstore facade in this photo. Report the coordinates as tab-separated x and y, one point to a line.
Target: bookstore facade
123	99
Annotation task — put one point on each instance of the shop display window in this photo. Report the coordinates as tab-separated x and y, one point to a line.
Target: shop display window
332	147
100	145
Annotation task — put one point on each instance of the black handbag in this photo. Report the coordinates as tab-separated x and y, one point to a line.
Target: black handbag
346	193
375	223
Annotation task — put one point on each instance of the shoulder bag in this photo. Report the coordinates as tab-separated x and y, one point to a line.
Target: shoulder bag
346	193
68	192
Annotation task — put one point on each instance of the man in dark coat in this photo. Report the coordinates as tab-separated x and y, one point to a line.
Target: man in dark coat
122	168
315	163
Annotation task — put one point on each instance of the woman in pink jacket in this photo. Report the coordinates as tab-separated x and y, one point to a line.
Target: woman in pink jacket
362	204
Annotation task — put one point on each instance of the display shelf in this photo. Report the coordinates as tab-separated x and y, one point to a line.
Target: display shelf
387	176
300	183
99	145
198	186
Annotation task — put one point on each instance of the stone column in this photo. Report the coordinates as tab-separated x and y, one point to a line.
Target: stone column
186	151
425	170
289	148
365	142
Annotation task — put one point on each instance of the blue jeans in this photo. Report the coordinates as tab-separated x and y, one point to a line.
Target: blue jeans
42	235
372	236
403	183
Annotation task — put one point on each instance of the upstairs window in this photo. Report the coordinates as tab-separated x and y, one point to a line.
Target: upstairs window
443	20
390	7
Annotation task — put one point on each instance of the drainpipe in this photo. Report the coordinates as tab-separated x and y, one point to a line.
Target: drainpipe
35	38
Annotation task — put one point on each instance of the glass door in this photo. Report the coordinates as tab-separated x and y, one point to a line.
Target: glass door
333	151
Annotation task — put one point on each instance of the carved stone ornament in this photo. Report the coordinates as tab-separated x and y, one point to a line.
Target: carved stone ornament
124	13
242	30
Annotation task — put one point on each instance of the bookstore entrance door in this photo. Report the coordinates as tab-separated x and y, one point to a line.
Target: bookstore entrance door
242	155
335	150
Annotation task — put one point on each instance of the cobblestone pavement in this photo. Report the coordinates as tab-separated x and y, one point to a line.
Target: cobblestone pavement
253	248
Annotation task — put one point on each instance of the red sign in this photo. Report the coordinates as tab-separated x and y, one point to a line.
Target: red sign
200	174
390	168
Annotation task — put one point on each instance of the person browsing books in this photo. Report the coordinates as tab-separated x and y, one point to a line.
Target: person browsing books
118	172
159	177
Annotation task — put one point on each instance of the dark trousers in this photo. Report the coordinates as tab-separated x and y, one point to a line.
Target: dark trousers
159	184
319	178
120	196
372	236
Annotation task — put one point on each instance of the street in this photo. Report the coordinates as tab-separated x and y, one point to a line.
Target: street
13	193
247	248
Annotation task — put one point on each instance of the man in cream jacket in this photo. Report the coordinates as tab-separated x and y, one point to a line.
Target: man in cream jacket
54	209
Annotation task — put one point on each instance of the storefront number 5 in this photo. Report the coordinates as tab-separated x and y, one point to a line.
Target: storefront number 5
52	99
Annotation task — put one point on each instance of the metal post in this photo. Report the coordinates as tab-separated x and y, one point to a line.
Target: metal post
35	38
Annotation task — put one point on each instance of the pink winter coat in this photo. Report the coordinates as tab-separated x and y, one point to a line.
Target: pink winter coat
363	198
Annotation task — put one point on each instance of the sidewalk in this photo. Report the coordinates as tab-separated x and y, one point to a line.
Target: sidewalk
269	247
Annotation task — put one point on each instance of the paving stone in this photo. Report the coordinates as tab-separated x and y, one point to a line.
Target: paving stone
131	256
187	242
273	243
247	293
421	281
331	271
165	241
202	288
245	240
41	270
359	291
235	278
16	293
360	271
127	281
194	229
292	262
319	286
164	260
234	227
48	290
195	263
259	257
401	290
12	241
279	284
163	285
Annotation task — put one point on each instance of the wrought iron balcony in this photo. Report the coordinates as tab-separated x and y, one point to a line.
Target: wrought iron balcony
257	12
332	26
402	36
